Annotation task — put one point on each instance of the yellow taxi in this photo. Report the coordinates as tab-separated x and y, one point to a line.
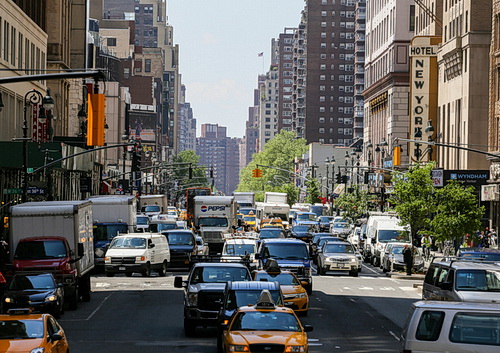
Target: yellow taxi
264	327
250	221
294	293
272	223
21	331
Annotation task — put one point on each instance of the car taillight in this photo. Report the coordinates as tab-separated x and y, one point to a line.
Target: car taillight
2	279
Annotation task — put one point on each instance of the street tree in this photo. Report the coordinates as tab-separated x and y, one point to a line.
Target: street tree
291	191
456	213
180	170
278	158
413	197
354	205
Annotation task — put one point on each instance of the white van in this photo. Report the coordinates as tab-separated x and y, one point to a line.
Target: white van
434	326
137	252
382	231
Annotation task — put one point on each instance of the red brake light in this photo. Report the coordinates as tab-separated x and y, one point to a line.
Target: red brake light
2	279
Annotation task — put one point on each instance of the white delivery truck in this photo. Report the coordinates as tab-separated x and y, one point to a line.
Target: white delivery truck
55	237
213	217
275	197
244	199
152	205
383	230
112	215
272	210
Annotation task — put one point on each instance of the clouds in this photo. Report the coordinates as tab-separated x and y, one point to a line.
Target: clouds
209	39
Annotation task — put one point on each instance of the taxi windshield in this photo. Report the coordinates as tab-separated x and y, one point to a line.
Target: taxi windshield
21	329
237	298
265	321
239	249
285	279
249	218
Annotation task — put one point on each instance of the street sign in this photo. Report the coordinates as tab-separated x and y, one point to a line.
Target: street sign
13	191
30	170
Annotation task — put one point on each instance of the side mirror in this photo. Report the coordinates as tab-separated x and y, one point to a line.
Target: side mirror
151	245
257	256
303	283
308	328
80	250
373	241
178	282
56	337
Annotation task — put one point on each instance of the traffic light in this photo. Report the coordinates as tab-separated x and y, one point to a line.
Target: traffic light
344	179
396	156
136	159
95	119
190	172
257	173
338	178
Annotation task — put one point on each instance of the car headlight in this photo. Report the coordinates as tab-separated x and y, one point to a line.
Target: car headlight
241	348
353	259
38	350
107	259
50	298
9	300
140	259
418	262
293	349
192	299
301	295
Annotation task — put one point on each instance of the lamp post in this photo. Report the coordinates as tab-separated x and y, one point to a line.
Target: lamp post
31	98
327	164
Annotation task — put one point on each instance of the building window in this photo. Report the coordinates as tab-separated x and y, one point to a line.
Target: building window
321	130
321	120
323	24
323	45
322	67
321	98
321	109
322	77
321	88
323	13
322	56
323	34
147	65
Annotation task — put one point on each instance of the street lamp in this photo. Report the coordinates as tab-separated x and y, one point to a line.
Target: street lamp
33	97
369	149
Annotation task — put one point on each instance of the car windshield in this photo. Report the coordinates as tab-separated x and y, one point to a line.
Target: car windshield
107	232
388	235
23	282
397	249
44	249
340	225
219	274
142	220
21	329
339	248
237	298
239	249
151	209
249	218
325	219
128	243
285	279
270	233
478	280
282	251
265	321
303	228
158	227
179	238
246	211
212	222
306	217
325	239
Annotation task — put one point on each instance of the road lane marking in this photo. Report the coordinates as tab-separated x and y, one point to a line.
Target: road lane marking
393	335
371	269
365	288
407	289
369	313
386	288
93	312
102	285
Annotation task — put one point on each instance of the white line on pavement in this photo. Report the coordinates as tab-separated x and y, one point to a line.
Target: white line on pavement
371	269
393	335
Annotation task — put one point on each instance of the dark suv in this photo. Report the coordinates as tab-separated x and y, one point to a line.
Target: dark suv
204	291
182	244
291	255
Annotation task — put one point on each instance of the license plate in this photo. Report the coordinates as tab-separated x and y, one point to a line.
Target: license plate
341	265
121	268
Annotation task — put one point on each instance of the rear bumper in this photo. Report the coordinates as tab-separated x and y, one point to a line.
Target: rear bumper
123	268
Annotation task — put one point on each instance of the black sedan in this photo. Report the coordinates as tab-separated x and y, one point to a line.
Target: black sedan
324	222
39	292
303	232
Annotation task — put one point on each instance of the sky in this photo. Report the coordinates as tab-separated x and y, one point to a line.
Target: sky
219	42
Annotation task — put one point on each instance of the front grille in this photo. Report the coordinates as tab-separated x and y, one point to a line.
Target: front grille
267	348
212	237
123	260
297	270
340	259
210	300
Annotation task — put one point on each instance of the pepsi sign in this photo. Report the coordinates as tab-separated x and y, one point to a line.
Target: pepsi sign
204	208
216	208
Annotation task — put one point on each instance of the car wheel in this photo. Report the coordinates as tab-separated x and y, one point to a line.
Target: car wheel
353	273
147	271
85	288
309	288
73	301
189	328
163	271
359	269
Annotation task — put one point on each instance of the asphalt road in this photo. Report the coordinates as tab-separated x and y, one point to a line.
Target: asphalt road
137	314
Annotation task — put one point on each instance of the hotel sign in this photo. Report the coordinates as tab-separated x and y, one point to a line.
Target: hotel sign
423	89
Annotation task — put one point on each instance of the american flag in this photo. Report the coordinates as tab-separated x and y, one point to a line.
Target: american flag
260	54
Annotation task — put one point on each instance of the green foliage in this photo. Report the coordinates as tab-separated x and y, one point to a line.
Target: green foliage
180	170
280	153
413	197
457	212
313	192
354	205
291	191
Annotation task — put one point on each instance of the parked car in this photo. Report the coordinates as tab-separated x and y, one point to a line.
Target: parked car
24	332
354	236
324	223
38	292
392	258
338	256
434	326
462	280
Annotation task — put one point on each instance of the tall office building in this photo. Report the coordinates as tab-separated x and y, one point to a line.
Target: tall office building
284	60
389	29
220	153
268	106
187	124
359	67
329	88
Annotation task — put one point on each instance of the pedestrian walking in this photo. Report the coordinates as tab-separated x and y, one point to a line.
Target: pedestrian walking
426	246
408	258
